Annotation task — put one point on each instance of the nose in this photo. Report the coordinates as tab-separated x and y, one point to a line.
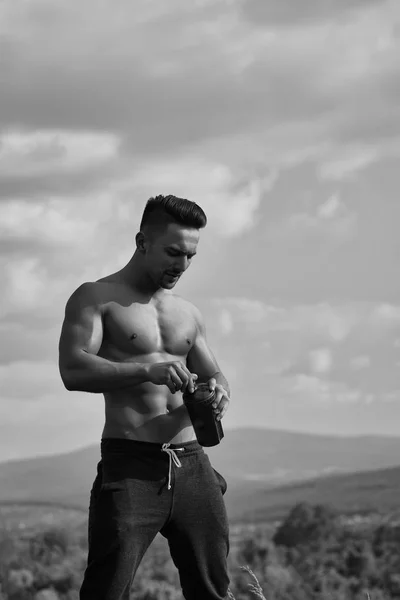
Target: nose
181	264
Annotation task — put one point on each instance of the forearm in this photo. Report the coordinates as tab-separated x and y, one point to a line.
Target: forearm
220	379
92	373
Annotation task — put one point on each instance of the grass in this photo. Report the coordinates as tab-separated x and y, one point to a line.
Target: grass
254	588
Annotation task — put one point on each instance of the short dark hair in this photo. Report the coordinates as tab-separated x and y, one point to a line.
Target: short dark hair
161	210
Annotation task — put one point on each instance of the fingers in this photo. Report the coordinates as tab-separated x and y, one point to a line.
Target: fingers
222	408
174	383
181	378
221	402
212	384
187	378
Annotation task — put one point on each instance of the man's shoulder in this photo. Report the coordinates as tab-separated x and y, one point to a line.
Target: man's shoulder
90	292
85	292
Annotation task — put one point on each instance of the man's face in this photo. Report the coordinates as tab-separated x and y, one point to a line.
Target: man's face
169	254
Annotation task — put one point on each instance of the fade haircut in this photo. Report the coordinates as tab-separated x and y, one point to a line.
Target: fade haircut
162	210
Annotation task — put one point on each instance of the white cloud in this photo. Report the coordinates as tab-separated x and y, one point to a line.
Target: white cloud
347	162
22	341
230	199
330	208
57	422
386	313
321	360
312	385
180	135
57	221
312	389
246	309
39	152
331	218
333	323
26	285
226	325
261	67
30	380
57	244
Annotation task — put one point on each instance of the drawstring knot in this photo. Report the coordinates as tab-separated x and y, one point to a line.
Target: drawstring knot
172	457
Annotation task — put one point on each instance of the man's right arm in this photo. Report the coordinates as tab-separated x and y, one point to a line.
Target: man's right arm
81	337
82	370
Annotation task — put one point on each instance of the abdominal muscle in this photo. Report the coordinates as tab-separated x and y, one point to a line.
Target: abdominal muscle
147	412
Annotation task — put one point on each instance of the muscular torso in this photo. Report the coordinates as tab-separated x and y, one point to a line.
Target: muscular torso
135	329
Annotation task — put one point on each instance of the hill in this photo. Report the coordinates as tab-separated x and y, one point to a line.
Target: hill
274	457
254	461
368	493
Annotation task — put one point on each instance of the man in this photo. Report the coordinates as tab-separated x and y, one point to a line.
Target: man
130	338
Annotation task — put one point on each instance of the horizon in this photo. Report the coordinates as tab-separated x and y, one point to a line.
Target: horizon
227	430
282	123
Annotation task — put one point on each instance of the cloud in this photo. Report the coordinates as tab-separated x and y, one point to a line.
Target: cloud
79	237
26	285
321	360
37	152
386	313
312	389
226	325
56	222
332	342
29	380
230	199
199	57
25	342
331	208
207	100
49	424
37	164
52	246
348	162
322	321
330	218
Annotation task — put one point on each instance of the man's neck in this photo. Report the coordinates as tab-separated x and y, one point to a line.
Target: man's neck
136	277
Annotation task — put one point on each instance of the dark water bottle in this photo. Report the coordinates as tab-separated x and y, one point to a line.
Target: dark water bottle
208	429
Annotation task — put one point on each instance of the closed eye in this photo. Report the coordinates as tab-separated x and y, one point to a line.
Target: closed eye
176	253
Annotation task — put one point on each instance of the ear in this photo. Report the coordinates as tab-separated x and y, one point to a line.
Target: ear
141	242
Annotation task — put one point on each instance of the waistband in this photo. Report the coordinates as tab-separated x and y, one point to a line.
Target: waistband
135	447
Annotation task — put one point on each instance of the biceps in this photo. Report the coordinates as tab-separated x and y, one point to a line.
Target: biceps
80	333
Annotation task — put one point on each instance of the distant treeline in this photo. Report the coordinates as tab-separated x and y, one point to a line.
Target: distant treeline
314	554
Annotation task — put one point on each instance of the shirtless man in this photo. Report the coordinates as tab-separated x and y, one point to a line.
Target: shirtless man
130	338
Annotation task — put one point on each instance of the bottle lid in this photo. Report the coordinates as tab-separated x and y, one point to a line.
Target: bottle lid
202	391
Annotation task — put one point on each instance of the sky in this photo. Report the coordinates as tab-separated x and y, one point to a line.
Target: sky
282	120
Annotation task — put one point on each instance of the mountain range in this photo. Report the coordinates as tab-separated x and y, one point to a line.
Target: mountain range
264	468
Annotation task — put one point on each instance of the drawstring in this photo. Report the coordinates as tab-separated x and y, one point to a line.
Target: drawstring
172	457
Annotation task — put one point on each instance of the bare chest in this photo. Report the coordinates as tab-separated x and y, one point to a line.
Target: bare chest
142	329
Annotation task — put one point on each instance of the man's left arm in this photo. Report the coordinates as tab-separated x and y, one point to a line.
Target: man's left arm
201	361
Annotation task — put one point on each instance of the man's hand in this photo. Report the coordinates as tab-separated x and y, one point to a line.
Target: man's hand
221	401
175	375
